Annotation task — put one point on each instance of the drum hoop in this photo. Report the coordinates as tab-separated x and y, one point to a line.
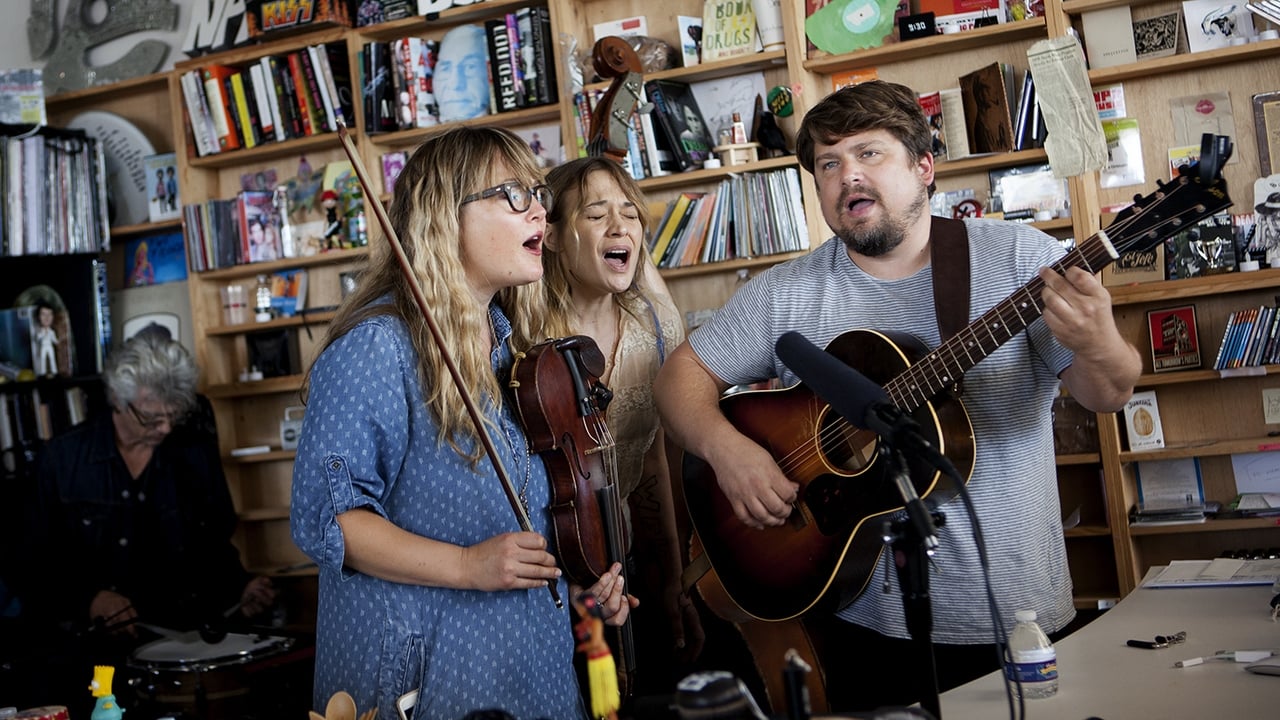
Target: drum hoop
200	665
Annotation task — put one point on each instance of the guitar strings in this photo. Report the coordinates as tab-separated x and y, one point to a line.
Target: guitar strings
904	390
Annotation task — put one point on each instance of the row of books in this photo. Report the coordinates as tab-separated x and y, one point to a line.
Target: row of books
747	215
979	115
55	195
503	64
224	233
1250	339
272	99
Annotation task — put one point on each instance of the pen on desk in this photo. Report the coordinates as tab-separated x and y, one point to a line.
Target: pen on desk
1189	662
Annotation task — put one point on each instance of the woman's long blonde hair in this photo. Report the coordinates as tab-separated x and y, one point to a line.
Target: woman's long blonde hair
425	214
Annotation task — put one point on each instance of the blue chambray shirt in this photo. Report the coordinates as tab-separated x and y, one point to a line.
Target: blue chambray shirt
369	441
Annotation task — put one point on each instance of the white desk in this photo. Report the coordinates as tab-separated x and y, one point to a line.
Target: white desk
1100	676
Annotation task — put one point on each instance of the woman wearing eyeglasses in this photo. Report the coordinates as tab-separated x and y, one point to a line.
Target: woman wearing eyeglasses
129	523
426	581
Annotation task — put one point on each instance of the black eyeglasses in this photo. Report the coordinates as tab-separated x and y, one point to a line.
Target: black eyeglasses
151	422
519	195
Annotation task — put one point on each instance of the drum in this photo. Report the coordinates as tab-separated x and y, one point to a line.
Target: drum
205	680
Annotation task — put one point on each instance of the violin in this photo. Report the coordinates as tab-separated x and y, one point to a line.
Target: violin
572	437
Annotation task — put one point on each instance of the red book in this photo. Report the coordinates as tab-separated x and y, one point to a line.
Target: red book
215	83
302	96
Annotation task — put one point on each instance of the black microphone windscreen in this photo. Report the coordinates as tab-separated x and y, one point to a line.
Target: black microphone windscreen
848	391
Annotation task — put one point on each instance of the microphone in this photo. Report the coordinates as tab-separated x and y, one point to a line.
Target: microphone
865	404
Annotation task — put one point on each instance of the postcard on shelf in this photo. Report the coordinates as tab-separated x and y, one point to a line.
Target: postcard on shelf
1174	342
392	164
1266	123
1195	115
1135	266
1142	421
1124	154
852	77
623	27
155	259
1108	37
1213	24
1182	155
1169	485
690	39
163	202
22	97
1110	101
1157	37
1256	472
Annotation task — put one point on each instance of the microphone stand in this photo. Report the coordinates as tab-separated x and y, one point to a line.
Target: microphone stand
912	542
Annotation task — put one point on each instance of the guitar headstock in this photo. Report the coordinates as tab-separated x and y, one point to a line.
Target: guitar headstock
1198	192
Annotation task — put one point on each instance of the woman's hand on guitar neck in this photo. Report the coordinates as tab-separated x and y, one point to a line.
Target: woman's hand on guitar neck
761	496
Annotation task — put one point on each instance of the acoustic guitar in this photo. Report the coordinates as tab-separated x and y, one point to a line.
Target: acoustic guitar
825	554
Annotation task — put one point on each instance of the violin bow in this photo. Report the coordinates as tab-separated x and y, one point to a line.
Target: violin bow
522	516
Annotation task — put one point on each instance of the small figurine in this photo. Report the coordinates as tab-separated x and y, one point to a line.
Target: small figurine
602	672
46	338
105	708
332	228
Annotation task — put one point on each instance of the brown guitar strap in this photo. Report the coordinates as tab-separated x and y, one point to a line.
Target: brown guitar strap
949	260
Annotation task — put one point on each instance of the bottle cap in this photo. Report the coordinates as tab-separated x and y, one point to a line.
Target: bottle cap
1025	616
711	163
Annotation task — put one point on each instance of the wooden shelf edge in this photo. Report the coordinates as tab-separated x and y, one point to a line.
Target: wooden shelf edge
1193	376
1101	600
990	161
272	456
97	93
330	257
1079	458
455	15
270	151
302	318
700	177
1234	282
728	265
1208	448
941	44
1076	7
714	70
146	228
1087	531
1185	62
273	44
1208	526
287	383
514	118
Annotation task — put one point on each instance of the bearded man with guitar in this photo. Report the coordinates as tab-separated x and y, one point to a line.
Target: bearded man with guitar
868	147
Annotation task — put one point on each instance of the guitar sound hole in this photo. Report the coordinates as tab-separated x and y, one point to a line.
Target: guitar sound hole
846	447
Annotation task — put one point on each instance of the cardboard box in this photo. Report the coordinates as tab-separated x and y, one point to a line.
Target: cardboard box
271	16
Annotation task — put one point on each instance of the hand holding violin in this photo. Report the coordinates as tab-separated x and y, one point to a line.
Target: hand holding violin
615	604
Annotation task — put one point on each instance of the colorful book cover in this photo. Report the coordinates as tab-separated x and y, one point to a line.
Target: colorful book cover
259	227
163	201
154	259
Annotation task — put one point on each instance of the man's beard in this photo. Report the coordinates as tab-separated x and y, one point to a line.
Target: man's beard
880	239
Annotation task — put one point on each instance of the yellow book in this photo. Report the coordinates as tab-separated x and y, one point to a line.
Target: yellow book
675	220
242	109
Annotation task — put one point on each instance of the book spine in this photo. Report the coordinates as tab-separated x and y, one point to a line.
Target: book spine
665	124
339	70
320	121
300	96
267	115
543	52
500	68
243	114
517	59
219	108
316	79
282	77
270	95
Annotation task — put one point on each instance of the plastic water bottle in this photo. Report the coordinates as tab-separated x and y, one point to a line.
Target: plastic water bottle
1035	664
